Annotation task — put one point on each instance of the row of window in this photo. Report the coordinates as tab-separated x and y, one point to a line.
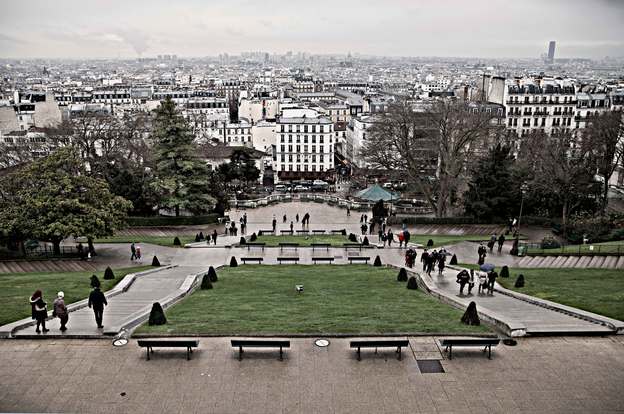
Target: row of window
305	139
526	122
298	168
306	128
305	148
311	159
542	99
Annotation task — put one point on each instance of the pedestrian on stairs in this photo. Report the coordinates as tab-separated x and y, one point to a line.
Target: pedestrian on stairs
97	301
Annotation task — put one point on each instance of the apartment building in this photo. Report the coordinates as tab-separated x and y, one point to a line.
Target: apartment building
304	147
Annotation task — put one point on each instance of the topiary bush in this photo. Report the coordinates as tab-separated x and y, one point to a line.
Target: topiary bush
108	274
205	283
197	239
259	232
176	241
155	262
95	282
352	238
412	284
201	235
430	243
365	242
453	260
157	315
212	274
343	232
233	262
519	281
504	272
253	237
377	262
242	241
402	276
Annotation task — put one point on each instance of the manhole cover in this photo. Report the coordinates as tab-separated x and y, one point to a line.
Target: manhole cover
430	366
321	343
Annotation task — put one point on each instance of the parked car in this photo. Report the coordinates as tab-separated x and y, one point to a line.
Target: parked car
281	188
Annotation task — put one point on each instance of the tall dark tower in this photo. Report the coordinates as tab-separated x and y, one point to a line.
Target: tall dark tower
551	51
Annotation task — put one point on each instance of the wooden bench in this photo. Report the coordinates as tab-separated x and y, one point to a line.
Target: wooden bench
358	259
189	344
329	260
255	244
380	343
294	259
283	246
286	232
318	231
259	343
487	343
303	231
325	246
352	246
261	232
251	259
337	231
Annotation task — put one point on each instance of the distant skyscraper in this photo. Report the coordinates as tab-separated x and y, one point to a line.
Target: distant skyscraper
551	51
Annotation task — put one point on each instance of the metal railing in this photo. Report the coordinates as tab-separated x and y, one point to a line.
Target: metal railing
41	252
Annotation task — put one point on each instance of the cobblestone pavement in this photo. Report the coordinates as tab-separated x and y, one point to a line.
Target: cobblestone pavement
539	375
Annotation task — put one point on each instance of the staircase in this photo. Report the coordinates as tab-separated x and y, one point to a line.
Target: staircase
47	266
577	262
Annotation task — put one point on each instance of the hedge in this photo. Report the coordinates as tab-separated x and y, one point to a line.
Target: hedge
528	220
158	221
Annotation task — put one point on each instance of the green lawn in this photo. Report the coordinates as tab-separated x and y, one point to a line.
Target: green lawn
16	288
166	241
611	247
334	239
444	239
254	299
595	290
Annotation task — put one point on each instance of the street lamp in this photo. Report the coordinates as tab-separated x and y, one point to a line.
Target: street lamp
523	189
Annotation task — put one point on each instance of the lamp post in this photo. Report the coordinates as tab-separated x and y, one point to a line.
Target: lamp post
523	189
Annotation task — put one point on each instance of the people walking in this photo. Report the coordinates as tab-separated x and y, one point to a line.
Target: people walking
297	217
390	237
406	237
491	280
292	226
348	211
501	241
138	253
424	258
274	224
483	282
471	281
441	263
214	237
60	311
133	252
284	219
463	279
39	310
97	301
482	251
363	227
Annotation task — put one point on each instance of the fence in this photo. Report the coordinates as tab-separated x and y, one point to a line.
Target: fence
323	198
536	249
41	252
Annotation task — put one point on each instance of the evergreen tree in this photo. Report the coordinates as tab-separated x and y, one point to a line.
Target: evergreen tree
492	193
182	178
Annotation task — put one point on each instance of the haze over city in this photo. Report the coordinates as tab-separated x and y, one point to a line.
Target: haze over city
481	28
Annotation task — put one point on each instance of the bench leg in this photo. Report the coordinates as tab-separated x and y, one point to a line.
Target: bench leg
450	351
490	352
148	352
240	353
281	358
359	356
399	352
188	353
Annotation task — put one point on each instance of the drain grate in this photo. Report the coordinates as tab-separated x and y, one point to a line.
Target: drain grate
430	366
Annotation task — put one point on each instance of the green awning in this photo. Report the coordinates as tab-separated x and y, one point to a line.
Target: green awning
376	193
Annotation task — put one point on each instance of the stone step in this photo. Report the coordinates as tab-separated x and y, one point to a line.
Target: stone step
596	262
548	261
583	261
609	262
570	261
525	260
558	261
620	263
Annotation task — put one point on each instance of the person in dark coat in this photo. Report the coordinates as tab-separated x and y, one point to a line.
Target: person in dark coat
501	241
274	224
424	258
60	311
133	252
97	301
463	278
441	263
406	236
39	310
390	237
491	279
214	237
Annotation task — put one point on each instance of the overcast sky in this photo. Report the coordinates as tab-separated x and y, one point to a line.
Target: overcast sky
477	28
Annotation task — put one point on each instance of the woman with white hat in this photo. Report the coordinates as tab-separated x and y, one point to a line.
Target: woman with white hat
60	310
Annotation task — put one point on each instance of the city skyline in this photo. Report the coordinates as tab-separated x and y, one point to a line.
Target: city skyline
69	29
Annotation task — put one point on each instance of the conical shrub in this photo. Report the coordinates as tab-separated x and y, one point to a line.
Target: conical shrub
201	235
155	262
212	274
205	283
377	262
352	238
176	241
242	241
253	237
430	243
108	274
233	262
197	239
365	242
402	276
412	283
519	281
157	315
95	282
343	232
504	272
453	260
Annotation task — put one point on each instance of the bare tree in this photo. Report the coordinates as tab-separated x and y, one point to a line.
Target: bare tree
432	147
604	140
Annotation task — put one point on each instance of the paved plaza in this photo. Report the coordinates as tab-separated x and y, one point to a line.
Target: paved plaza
539	375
